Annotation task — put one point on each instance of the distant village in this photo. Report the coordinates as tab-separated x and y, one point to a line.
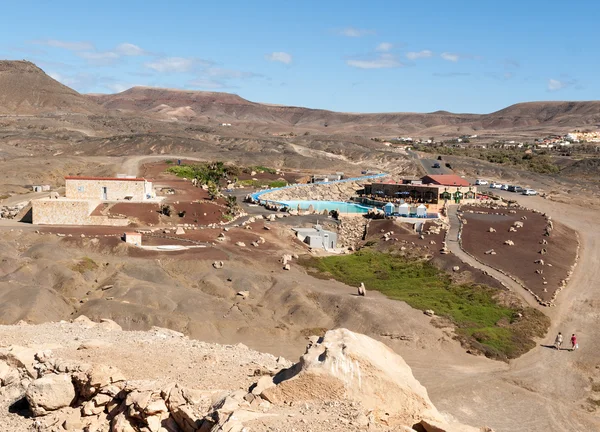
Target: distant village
556	142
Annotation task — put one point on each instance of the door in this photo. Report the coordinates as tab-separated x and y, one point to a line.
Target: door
104	193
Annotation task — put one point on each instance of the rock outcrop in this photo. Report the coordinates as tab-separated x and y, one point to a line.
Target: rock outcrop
344	378
349	365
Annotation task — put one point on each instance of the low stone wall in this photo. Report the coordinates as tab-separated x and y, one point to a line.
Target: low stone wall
63	211
341	191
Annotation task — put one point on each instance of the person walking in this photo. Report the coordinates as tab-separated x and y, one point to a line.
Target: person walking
558	341
574	344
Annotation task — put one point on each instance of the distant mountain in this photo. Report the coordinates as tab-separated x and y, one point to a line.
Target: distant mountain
232	108
25	89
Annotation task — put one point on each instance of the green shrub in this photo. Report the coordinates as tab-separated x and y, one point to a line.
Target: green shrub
481	321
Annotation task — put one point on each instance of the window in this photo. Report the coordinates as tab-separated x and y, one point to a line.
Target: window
80	188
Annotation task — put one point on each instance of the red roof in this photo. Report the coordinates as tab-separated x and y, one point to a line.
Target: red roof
103	178
446	180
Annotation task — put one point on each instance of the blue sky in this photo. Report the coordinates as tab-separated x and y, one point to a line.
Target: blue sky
354	56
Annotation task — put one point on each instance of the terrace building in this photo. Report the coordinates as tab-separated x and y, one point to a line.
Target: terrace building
434	192
83	196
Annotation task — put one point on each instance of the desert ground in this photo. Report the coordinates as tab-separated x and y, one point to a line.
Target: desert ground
50	274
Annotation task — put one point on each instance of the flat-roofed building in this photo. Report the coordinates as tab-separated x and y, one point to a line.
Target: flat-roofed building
109	188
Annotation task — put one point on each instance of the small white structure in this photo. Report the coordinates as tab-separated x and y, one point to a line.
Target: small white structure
421	211
389	209
133	238
404	209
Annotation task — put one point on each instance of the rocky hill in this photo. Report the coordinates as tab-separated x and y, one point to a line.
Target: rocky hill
97	378
231	108
25	90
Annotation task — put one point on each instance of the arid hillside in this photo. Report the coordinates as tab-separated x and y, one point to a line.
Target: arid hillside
224	107
26	90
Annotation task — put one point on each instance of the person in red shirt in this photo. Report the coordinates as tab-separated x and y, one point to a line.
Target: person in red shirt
574	345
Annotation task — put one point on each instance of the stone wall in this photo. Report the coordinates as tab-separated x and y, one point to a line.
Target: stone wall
64	211
321	192
116	189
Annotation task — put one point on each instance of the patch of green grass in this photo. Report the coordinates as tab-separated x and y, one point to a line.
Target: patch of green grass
265	169
84	265
481	321
536	162
263	183
168	161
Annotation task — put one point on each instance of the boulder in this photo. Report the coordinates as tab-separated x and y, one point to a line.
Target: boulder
20	357
429	312
244	294
8	375
456	268
108	324
509	243
50	393
348	365
286	267
218	264
240	244
492	230
362	291
85	321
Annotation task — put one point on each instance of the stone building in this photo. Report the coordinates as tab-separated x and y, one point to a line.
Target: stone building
109	189
83	195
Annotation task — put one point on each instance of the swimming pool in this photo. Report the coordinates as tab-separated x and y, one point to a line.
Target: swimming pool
319	206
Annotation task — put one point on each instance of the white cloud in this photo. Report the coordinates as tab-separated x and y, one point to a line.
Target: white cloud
554	84
79	81
229	73
208	84
381	61
118	87
71	46
413	55
450	57
384	47
171	64
128	49
279	56
354	32
99	58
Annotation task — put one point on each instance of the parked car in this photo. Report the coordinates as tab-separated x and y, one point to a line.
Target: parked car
529	192
517	189
436	165
504	187
480	182
494	185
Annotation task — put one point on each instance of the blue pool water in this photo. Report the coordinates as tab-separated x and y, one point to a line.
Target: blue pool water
319	206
